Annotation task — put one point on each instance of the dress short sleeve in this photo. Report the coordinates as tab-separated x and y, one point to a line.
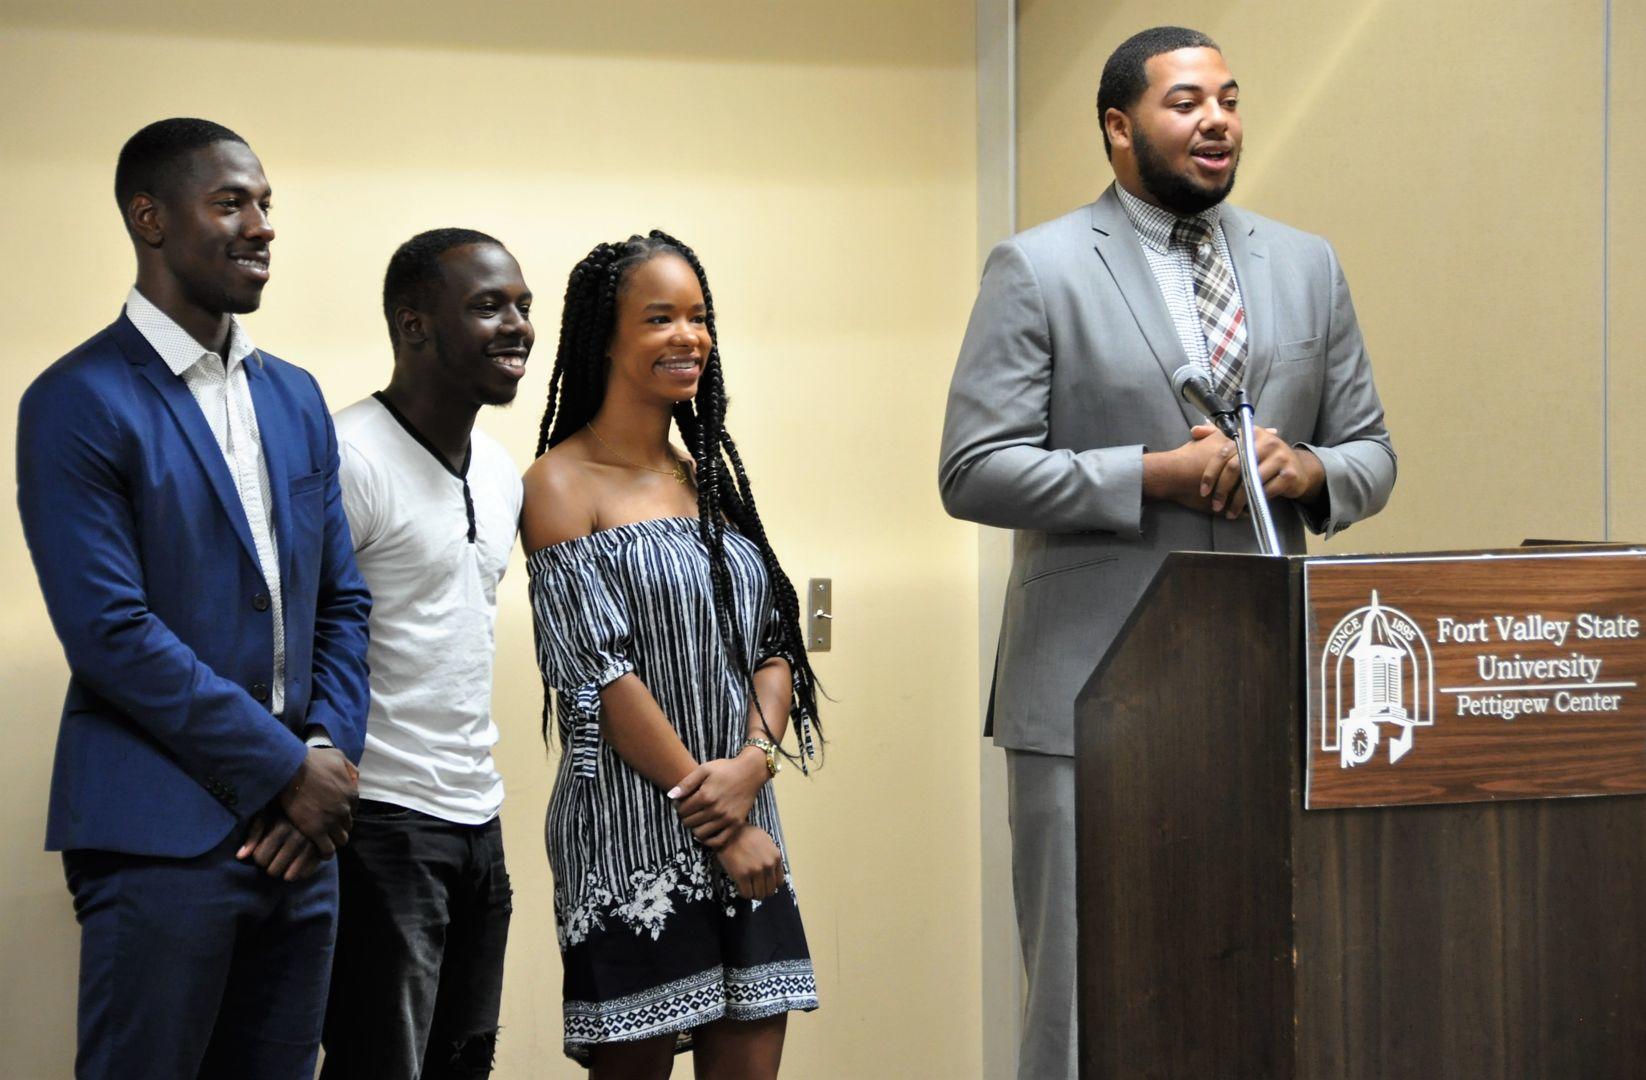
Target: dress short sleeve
581	622
772	646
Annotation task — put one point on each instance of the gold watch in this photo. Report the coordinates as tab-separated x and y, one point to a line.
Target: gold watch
769	748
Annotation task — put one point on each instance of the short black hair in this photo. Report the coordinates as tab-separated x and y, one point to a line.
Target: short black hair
1124	79
151	157
414	269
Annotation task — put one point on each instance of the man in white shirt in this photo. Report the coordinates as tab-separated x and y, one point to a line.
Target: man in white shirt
434	506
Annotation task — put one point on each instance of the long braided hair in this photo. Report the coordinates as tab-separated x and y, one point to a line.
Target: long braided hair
577	388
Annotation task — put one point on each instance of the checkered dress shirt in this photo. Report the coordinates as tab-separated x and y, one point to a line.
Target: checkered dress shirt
1173	268
221	391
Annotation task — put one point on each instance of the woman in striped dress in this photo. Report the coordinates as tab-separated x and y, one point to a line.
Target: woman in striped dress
671	639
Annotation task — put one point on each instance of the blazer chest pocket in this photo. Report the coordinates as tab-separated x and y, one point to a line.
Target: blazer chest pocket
1295	352
302	485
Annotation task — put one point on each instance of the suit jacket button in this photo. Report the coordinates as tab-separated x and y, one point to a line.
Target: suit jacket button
260	691
260	601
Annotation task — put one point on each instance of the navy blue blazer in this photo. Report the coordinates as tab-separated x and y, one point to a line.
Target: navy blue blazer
153	585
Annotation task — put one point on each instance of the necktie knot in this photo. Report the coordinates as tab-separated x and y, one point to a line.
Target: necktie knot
1192	233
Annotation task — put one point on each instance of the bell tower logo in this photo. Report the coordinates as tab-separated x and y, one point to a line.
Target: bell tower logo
1376	672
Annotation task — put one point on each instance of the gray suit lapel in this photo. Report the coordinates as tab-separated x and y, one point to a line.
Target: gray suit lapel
1122	253
1253	272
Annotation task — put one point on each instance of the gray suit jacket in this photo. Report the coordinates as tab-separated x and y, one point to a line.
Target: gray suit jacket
1064	380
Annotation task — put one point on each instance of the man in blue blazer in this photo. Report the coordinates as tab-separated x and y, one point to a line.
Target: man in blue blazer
178	489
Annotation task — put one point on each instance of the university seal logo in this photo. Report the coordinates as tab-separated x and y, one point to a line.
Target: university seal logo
1376	671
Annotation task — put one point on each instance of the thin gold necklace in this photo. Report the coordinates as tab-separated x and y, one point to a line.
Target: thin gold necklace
678	472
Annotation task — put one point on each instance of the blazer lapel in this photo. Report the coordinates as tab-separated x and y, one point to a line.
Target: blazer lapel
276	457
1253	273
192	422
1121	251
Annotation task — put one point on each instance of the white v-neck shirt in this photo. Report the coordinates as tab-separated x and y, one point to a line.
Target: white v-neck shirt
429	732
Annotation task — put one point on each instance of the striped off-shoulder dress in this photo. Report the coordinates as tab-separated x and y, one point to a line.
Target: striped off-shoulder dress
653	935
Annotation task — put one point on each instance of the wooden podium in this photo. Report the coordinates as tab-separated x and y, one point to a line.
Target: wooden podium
1232	926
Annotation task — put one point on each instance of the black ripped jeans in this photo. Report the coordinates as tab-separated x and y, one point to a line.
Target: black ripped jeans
423	919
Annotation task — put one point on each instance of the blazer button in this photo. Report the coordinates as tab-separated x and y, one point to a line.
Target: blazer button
260	691
260	601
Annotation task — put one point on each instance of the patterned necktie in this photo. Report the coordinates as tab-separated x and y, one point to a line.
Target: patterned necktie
1221	316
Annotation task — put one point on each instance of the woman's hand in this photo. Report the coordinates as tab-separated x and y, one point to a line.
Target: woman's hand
752	861
716	797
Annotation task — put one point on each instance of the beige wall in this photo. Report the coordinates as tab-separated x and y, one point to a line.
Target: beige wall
1452	154
820	159
1626	293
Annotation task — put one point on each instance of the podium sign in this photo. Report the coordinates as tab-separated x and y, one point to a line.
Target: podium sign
1227	931
1462	678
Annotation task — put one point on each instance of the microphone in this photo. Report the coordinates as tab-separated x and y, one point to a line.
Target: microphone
1190	384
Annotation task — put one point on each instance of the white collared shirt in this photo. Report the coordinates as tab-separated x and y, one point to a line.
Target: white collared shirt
1173	268
220	389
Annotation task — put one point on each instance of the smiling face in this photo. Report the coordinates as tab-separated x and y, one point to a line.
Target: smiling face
479	324
660	341
1178	146
210	228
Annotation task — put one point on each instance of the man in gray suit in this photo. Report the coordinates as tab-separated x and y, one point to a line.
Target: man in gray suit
1062	425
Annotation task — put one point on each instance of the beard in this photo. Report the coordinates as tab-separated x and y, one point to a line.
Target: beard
1172	190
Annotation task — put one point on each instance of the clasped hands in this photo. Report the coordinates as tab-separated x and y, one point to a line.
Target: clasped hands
308	821
1210	473
714	801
